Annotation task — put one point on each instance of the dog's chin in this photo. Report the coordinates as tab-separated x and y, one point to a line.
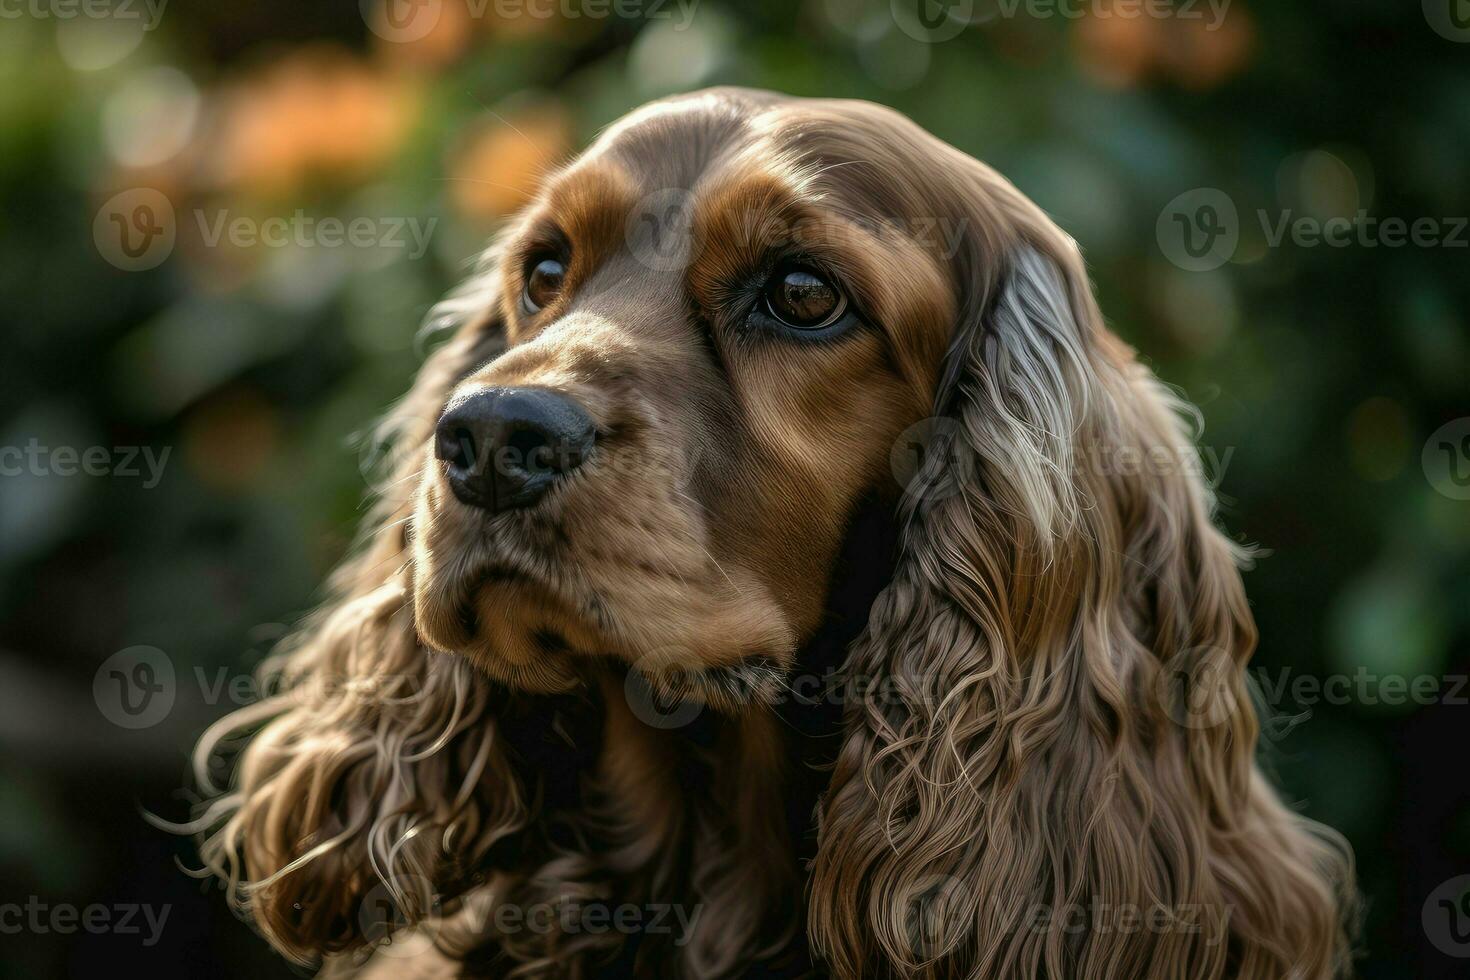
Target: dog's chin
516	631
539	618
524	636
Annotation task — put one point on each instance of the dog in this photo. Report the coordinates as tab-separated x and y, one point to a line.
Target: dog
782	571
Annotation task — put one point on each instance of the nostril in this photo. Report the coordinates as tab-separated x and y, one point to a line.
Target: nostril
455	444
463	455
530	450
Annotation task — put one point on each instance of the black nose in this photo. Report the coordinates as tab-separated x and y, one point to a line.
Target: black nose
505	446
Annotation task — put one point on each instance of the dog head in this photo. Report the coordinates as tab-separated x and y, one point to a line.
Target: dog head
722	326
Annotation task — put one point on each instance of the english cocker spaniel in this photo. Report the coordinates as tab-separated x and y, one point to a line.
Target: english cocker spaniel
782	571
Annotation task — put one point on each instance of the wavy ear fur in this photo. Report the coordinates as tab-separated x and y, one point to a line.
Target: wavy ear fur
380	769
1029	797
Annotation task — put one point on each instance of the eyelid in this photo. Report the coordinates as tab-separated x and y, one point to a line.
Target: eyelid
536	254
543	242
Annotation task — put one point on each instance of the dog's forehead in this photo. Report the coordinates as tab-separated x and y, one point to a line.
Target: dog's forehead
675	142
703	139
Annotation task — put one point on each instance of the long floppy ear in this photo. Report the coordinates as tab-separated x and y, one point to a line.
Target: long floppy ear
379	780
1022	791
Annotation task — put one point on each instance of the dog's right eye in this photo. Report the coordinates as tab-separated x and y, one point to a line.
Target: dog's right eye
543	284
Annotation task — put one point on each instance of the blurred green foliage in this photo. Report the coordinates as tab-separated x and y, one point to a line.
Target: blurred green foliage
1321	371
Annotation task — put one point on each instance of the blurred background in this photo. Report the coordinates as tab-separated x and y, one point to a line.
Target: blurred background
182	376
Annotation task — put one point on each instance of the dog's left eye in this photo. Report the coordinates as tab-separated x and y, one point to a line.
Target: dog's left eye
801	298
543	283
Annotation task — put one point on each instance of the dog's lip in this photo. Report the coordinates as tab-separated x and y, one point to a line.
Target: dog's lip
499	570
462	594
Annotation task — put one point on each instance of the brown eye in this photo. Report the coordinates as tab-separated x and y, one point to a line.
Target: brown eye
544	283
802	299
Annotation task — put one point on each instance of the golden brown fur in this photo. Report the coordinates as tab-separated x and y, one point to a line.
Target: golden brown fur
1010	759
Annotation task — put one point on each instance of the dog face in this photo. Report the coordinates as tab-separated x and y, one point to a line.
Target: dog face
719	320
